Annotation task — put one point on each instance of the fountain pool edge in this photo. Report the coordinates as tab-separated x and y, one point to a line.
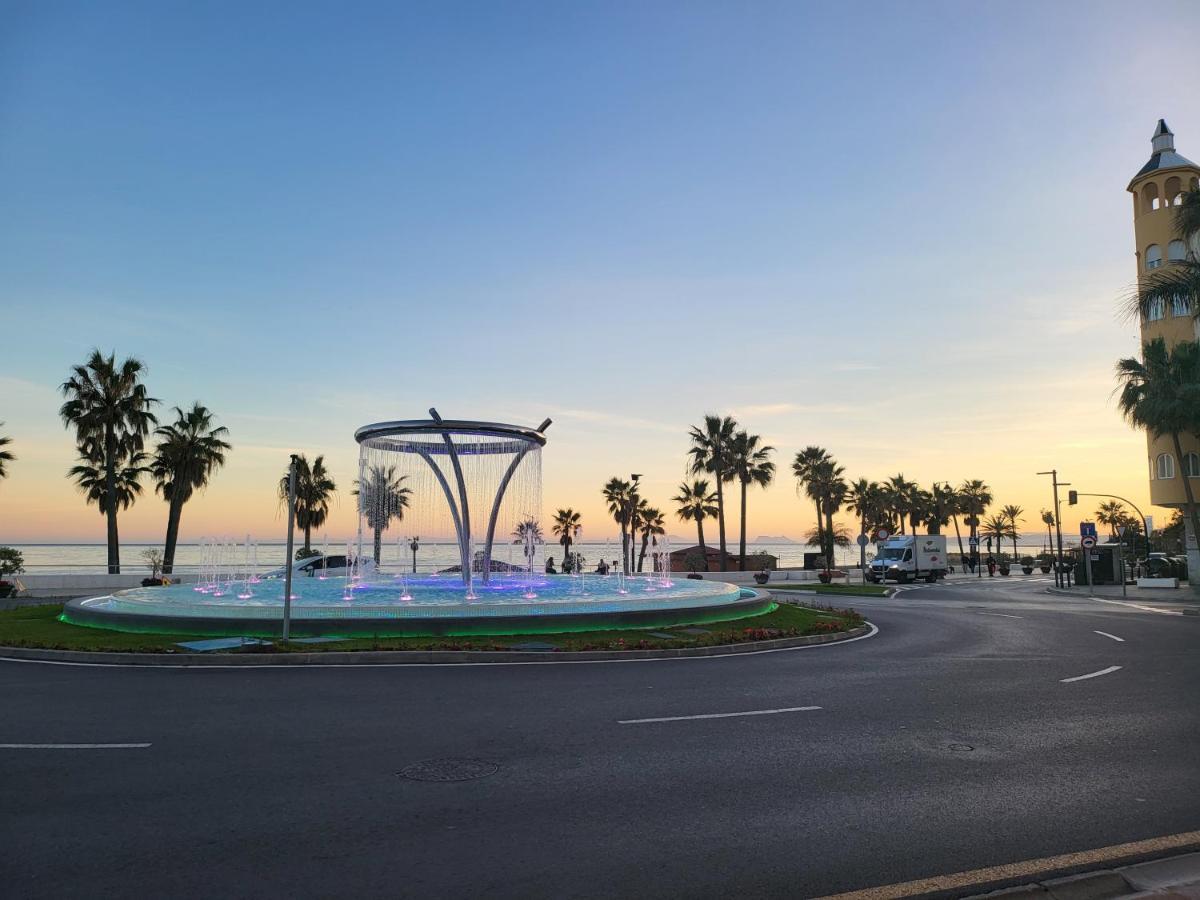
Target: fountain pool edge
748	604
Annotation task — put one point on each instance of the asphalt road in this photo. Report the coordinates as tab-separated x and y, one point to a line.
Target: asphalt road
285	782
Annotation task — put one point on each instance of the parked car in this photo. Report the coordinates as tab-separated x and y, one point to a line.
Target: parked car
313	566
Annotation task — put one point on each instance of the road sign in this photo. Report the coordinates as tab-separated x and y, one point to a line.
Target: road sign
863	540
882	534
974	542
1087	529
1089	542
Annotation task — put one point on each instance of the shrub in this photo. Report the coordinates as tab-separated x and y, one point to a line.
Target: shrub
11	561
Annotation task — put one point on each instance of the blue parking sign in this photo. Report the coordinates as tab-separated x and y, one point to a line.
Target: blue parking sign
1088	529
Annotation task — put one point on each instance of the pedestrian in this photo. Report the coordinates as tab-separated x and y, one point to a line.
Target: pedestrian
550	570
991	566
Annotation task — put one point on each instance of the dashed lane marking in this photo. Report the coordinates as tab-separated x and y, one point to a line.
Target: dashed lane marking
732	715
1113	636
1001	615
1107	671
73	746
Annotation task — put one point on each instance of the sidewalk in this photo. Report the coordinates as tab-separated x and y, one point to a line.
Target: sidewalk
1175	876
1180	599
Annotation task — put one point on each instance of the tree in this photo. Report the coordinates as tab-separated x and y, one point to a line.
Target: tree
942	508
652	525
567	527
710	452
865	499
529	533
91	475
998	527
1180	281
380	500
822	479
750	463
1161	393
189	451
107	404
1113	514
900	493
1013	514
974	499
314	489
695	503
807	466
1048	521
619	495
6	456
818	536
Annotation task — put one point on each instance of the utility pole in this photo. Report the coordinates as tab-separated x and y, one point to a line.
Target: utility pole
1059	574
633	499
287	569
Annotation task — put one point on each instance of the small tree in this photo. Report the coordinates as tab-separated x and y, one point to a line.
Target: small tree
11	561
154	562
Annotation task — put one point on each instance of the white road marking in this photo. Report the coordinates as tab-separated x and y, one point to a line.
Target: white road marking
1113	636
1002	615
1165	612
752	712
1091	674
73	746
407	665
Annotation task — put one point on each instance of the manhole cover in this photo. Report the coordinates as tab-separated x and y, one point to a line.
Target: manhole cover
961	748
449	770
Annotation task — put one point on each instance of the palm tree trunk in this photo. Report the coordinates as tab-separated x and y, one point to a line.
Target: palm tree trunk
307	539
1193	513
1014	537
624	549
742	542
174	512
642	555
958	534
829	537
721	523
700	535
378	544
110	494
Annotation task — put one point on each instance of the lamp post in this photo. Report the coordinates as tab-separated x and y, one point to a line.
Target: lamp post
287	569
627	551
1059	576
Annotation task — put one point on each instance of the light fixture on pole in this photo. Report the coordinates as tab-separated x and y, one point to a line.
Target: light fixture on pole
287	568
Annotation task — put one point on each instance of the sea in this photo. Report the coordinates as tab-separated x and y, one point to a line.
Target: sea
47	559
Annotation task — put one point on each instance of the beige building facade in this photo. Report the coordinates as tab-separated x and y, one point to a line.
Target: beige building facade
1157	190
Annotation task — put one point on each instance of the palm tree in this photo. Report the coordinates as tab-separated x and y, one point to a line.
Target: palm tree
865	499
91	475
975	497
998	527
751	464
920	510
955	500
529	533
833	495
1113	514
695	504
841	537
189	451
901	496
1013	514
109	408
6	456
710	452
1180	281
1048	520
1161	393
940	508
619	494
807	467
652	525
567	527
381	499
314	489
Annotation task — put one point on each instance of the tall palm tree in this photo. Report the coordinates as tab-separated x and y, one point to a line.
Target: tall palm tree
528	533
1161	393
975	497
807	466
865	499
751	464
940	508
189	451
901	495
833	495
652	524
109	408
1113	514
1013	514
567	527
920	510
91	475
618	494
380	500
955	500
1181	280
314	489
1048	521
710	452
695	504
6	456
998	527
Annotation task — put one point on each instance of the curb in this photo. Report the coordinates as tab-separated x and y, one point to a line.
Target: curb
1105	884
400	657
1185	611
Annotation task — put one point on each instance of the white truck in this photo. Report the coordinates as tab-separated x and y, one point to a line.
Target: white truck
908	557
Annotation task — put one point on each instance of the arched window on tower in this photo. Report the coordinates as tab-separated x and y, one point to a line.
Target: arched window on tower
1149	197
1176	251
1191	465
1173	195
1153	257
1165	467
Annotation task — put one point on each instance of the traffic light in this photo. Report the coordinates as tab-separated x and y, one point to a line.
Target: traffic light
1072	497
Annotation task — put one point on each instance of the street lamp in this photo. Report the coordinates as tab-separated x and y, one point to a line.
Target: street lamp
627	549
1059	575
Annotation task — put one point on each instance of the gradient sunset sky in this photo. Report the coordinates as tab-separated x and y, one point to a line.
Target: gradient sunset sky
899	231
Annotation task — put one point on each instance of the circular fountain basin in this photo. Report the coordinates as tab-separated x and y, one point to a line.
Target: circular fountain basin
386	606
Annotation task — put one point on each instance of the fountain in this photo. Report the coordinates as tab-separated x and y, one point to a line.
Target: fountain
480	479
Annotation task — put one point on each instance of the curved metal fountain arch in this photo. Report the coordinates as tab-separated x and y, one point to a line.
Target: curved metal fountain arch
509	439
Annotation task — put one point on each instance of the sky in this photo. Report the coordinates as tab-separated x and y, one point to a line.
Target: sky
899	231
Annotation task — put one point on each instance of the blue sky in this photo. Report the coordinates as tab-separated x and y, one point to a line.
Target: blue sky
310	216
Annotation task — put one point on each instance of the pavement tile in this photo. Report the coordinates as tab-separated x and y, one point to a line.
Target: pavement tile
1164	873
1088	886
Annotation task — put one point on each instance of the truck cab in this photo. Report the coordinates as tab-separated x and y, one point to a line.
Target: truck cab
908	557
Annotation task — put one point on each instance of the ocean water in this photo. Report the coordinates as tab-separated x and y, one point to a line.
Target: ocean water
432	556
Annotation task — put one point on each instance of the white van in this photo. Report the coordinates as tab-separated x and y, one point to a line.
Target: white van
908	557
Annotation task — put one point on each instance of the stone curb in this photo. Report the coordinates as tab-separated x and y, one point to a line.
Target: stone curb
1108	884
375	657
1187	610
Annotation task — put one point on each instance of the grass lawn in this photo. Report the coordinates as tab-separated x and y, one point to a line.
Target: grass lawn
860	590
38	626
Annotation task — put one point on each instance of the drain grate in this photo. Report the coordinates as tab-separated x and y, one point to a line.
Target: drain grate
961	748
449	770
